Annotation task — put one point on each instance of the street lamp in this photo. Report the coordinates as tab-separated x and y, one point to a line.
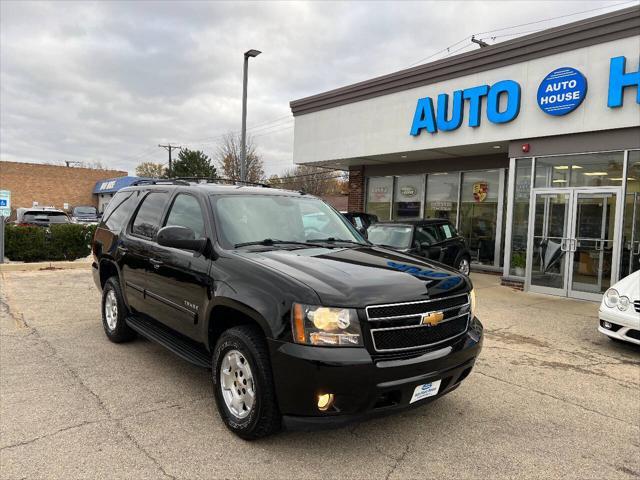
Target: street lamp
243	146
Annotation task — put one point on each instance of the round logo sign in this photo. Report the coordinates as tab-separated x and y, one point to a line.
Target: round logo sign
562	91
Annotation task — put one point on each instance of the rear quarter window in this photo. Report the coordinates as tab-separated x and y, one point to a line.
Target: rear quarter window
119	210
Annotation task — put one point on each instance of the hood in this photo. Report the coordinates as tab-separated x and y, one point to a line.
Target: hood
357	277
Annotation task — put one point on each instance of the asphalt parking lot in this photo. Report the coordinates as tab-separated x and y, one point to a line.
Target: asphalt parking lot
549	398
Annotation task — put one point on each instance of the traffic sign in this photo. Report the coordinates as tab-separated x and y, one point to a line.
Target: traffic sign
5	203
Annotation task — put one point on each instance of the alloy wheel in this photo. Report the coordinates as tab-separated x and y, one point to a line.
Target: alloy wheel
111	309
236	381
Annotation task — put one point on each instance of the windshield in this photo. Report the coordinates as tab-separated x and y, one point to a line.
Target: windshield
397	236
51	217
254	218
84	211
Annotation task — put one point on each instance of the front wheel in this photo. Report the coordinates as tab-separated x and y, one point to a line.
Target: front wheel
243	383
464	265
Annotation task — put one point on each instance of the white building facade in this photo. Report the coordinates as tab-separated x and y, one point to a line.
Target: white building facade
530	147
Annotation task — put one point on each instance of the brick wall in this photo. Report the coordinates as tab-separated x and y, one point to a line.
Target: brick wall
51	185
356	189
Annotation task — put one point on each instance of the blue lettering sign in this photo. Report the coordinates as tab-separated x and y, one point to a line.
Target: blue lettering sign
425	117
562	91
474	95
456	112
619	79
512	90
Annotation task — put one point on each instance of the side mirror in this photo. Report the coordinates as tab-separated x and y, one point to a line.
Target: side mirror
180	237
432	252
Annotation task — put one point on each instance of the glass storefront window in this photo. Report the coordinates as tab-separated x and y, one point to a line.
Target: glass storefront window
379	191
586	170
630	255
442	196
409	194
520	225
479	213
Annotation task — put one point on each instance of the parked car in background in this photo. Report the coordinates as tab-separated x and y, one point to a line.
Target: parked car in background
435	239
85	214
619	312
41	216
362	221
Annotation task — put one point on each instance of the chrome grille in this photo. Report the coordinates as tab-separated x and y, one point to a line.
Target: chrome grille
398	326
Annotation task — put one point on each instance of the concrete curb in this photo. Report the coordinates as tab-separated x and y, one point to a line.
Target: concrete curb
36	266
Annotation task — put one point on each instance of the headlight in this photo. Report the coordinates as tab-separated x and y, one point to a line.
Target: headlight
473	305
623	303
325	326
611	298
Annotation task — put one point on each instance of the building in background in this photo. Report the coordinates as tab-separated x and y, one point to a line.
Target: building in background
51	185
531	147
106	188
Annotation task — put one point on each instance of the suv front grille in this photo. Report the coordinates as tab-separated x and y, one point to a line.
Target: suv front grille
399	326
636	305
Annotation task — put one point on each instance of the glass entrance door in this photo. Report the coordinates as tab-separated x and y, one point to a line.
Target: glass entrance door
592	245
631	235
573	245
548	245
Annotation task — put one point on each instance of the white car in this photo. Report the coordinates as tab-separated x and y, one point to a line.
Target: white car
620	310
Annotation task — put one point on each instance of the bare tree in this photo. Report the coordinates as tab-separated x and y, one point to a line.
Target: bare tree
313	180
228	158
151	169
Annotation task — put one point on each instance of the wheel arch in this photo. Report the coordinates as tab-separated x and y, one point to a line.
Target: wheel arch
227	313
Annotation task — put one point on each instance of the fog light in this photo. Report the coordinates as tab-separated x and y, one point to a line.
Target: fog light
325	400
607	325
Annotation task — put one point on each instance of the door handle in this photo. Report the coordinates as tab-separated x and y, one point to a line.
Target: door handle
563	244
156	263
122	250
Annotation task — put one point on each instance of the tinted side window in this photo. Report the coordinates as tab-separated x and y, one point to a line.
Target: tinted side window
147	220
186	212
448	231
428	234
119	209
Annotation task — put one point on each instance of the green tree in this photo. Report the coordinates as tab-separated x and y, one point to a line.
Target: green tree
151	170
193	163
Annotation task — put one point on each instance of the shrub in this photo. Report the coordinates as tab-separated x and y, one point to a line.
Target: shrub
57	242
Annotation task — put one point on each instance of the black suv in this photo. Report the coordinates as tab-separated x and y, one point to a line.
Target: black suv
302	321
435	239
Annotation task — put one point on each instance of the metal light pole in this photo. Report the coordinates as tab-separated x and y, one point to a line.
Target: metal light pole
243	146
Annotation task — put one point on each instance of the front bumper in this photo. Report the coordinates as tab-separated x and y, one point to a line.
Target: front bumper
625	326
363	386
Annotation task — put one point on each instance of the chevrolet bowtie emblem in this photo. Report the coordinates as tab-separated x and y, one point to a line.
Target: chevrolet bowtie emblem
432	319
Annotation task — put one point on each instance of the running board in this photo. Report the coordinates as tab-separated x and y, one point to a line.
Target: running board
181	346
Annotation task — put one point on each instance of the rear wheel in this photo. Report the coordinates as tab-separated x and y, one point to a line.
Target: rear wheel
243	383
464	265
114	313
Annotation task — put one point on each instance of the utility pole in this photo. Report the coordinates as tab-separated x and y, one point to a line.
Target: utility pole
243	142
169	148
482	43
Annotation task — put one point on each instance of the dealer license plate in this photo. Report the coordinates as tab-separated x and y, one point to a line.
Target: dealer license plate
425	390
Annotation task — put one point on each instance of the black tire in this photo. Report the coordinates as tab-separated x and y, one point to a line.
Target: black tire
121	331
264	417
459	261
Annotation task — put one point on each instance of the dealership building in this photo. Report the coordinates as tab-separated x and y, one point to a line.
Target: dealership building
530	147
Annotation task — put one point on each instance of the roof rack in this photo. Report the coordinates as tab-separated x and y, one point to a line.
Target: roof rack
159	181
191	180
220	180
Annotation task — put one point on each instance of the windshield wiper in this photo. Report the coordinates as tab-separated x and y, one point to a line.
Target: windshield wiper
271	241
336	240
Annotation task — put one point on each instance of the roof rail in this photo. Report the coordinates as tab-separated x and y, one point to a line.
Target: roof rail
219	180
159	181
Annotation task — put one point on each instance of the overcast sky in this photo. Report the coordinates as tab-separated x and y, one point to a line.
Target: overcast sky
106	82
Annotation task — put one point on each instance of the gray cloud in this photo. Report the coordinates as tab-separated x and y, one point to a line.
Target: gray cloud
106	82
